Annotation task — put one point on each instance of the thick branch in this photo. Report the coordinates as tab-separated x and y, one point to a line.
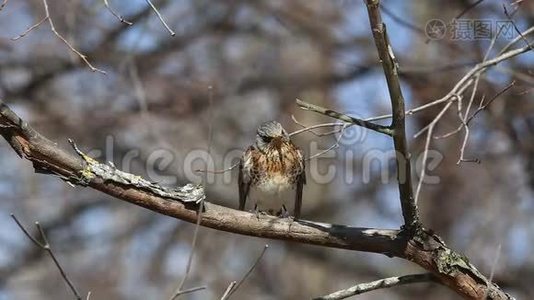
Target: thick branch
47	157
425	249
404	177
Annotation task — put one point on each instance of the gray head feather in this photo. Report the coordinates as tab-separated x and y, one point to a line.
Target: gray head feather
268	131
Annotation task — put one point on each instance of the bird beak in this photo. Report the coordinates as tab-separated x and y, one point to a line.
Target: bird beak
277	143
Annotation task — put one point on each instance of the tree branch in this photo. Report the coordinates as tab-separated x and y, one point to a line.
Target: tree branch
377	284
425	249
345	118
45	245
404	174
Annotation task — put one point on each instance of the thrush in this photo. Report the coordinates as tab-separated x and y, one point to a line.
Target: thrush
271	172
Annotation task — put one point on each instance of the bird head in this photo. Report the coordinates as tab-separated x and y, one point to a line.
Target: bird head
271	134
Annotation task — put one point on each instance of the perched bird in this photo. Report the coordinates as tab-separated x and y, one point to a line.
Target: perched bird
271	172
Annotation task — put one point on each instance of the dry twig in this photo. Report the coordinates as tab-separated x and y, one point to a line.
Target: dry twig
58	35
119	17
233	287
160	17
378	284
45	245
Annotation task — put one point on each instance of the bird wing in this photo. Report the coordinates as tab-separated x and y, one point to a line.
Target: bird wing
301	181
244	180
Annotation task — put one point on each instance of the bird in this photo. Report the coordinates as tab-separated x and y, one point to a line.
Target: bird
272	173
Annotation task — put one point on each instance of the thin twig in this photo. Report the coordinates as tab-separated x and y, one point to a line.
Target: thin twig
516	39
313	127
53	28
493	268
29	29
176	293
334	146
345	118
378	284
218	171
240	282
119	17
161	18
427	145
468	8
228	290
45	245
191	290
468	77
463	118
515	26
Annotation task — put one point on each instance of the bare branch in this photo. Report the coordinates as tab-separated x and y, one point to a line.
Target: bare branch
334	146
201	206
466	80
228	290
160	17
378	284
29	29
516	39
430	129
53	28
345	118
119	17
45	245
390	66
191	290
515	26
313	127
235	287
449	267
217	171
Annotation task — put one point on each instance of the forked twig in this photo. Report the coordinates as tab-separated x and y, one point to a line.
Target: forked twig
58	35
45	245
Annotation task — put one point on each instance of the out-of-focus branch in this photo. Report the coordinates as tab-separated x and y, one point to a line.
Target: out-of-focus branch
389	64
160	17
119	17
59	36
45	245
426	249
377	284
234	285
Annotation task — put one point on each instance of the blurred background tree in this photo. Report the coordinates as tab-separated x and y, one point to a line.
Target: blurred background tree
251	59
